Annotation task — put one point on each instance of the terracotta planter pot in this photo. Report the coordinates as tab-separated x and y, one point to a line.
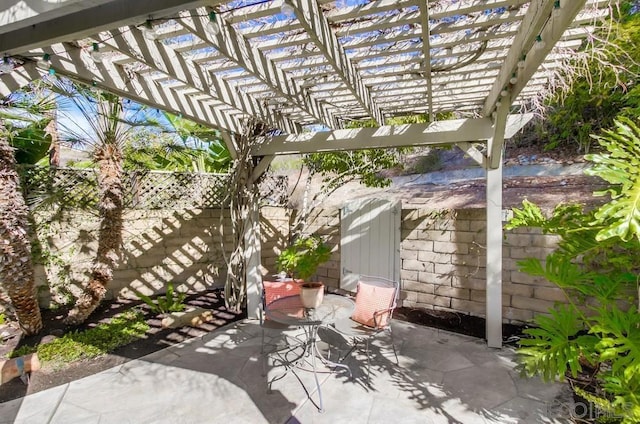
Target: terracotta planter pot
311	294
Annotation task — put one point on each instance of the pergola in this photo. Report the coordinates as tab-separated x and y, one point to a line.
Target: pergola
309	67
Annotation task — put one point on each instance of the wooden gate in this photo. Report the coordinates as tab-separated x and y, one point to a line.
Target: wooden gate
370	241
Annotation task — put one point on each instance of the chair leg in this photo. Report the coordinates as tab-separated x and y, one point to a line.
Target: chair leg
366	346
393	345
265	361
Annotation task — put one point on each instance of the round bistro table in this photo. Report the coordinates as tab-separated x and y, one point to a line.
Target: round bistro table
289	310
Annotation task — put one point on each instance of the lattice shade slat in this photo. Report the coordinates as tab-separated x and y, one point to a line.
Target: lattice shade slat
78	188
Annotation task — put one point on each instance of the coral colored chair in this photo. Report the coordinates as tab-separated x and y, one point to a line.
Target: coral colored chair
272	291
376	298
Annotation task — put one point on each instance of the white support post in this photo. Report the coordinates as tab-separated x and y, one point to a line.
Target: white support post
253	249
494	257
494	230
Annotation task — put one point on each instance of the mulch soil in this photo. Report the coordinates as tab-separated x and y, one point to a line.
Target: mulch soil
160	338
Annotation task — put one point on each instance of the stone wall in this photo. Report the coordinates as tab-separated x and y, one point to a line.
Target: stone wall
443	259
159	246
276	228
444	262
442	253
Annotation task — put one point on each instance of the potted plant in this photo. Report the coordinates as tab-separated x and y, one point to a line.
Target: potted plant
301	261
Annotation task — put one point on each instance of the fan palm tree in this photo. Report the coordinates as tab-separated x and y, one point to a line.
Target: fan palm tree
106	135
23	139
16	266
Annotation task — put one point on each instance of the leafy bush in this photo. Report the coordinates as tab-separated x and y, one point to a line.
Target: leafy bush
302	258
428	163
172	301
605	90
596	265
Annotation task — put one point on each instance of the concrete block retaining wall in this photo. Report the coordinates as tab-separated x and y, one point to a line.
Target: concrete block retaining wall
275	231
443	259
442	254
444	262
159	246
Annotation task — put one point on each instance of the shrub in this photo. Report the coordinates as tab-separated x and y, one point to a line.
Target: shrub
171	301
596	259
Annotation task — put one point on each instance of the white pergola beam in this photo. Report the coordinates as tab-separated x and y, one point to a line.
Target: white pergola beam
494	230
539	16
73	62
435	133
550	34
163	59
473	153
20	77
317	28
235	47
81	19
426	52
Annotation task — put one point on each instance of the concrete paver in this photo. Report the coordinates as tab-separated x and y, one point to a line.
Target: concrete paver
441	378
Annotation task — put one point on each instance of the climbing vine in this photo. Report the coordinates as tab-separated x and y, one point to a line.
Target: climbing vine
241	196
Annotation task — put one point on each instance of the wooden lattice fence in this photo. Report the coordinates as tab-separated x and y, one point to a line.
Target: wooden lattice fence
78	188
74	188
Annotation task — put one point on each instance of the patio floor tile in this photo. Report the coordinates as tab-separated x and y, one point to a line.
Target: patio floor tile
441	378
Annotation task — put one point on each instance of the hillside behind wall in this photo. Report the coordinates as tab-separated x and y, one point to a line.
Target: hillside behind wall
443	260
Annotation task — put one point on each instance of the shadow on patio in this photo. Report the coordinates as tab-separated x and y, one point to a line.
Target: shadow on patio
442	378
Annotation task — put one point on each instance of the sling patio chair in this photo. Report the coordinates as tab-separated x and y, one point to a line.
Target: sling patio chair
272	291
376	298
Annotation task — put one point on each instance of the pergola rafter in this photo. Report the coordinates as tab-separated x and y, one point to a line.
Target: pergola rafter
186	74
317	27
538	15
327	63
237	49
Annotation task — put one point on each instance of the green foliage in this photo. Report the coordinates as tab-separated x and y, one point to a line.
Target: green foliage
57	263
555	345
31	142
429	163
529	216
623	409
25	119
182	146
596	265
171	301
303	257
556	269
3	318
338	168
119	331
578	230
605	90
618	335
619	165
619	339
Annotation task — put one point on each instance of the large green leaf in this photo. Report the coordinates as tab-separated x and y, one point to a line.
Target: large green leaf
31	142
556	269
556	345
619	343
620	166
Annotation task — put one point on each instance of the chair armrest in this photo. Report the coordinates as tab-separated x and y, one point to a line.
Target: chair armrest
378	314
